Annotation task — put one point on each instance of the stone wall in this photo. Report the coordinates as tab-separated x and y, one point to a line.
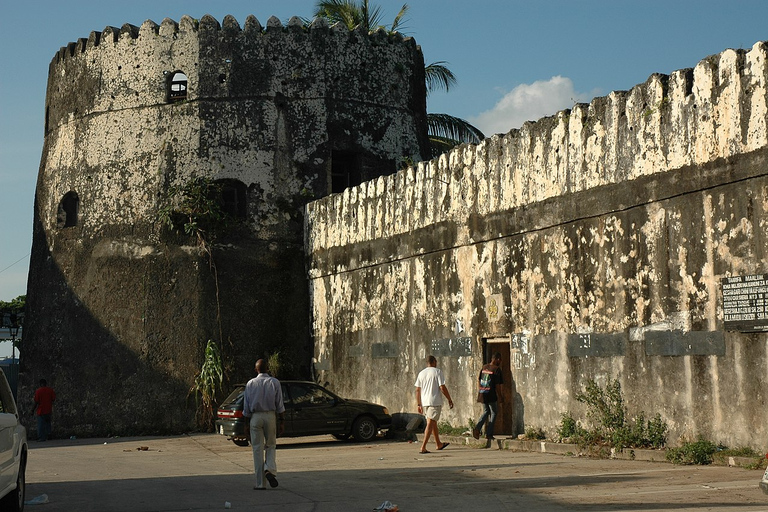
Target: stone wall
119	307
593	243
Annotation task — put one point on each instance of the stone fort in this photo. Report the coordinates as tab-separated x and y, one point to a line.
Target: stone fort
622	239
121	307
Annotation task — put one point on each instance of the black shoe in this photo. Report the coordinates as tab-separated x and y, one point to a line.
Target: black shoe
272	479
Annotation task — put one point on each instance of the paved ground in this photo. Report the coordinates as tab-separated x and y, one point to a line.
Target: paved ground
320	474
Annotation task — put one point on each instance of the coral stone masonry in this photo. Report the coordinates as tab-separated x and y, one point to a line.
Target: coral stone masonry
590	245
120	307
595	244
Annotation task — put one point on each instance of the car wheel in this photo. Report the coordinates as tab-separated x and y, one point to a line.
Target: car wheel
341	437
14	501
240	441
364	429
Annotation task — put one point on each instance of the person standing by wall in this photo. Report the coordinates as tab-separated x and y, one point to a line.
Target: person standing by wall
263	404
490	394
430	384
44	398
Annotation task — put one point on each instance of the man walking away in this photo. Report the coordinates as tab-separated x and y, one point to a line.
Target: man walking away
429	385
44	398
490	394
263	404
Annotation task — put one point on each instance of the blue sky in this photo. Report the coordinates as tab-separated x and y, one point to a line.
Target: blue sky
514	60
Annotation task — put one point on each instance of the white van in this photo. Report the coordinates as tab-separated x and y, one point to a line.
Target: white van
13	451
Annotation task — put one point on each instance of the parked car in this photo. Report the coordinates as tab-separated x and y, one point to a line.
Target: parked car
13	451
310	410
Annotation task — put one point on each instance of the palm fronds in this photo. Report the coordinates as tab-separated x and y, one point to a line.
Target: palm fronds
438	76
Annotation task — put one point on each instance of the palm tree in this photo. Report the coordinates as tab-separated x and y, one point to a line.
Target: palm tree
445	131
353	13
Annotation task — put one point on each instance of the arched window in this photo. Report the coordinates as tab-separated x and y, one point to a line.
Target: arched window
66	216
233	198
345	170
176	86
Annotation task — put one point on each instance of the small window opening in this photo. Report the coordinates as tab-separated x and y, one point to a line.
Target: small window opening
177	86
345	170
69	206
233	198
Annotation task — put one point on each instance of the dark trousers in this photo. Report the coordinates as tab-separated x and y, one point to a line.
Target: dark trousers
489	418
43	426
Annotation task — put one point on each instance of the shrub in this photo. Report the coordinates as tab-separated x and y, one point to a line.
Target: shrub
605	407
696	452
207	382
657	432
568	426
446	428
535	433
608	415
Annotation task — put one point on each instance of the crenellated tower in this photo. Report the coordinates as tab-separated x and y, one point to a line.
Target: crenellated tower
119	306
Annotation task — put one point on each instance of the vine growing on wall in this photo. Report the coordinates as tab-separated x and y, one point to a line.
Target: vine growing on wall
194	208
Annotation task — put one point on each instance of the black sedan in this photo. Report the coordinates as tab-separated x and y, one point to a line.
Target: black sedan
310	410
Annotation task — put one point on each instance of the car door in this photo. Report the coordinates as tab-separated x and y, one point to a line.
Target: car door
315	411
288	403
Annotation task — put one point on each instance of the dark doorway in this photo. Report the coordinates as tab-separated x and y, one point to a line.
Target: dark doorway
505	417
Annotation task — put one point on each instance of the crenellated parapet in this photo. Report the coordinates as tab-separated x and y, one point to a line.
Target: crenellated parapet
622	239
692	117
128	67
263	105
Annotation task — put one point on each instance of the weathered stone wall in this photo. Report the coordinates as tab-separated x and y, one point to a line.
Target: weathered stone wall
601	234
120	308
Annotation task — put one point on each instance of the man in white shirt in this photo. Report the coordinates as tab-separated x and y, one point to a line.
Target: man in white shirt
430	386
263	403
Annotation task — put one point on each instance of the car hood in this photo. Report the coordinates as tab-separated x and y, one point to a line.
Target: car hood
357	401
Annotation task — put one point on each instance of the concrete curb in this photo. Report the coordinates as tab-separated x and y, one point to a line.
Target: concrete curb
573	450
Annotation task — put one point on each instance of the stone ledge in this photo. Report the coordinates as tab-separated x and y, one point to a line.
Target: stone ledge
568	449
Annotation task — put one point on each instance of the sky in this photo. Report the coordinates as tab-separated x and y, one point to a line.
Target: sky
514	61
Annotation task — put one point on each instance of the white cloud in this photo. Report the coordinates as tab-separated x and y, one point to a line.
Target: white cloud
529	102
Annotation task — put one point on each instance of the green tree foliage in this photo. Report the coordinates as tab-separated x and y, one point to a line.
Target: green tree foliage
13	313
445	131
15	306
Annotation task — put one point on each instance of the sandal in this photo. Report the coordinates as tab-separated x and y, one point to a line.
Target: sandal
424	451
271	479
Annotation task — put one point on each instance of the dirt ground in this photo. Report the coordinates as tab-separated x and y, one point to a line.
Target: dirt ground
321	474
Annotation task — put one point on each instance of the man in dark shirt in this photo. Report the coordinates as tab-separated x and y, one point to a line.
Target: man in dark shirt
489	394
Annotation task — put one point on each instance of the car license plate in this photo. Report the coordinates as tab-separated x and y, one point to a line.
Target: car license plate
221	429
